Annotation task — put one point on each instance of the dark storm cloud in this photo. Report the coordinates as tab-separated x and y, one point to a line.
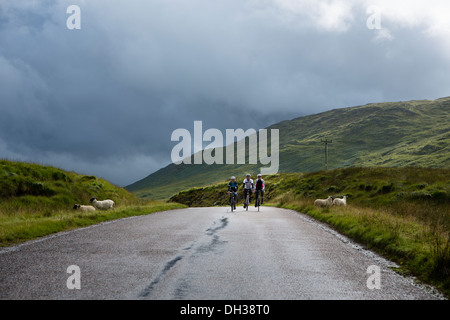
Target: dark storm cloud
105	99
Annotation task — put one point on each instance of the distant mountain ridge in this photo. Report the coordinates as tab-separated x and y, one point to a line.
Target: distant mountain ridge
391	134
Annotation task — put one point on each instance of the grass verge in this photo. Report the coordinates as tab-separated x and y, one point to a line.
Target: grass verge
421	249
18	228
37	200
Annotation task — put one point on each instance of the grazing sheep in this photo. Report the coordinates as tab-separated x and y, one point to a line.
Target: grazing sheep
84	208
340	202
102	205
324	202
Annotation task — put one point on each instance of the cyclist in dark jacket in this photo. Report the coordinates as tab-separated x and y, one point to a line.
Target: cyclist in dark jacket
259	187
233	189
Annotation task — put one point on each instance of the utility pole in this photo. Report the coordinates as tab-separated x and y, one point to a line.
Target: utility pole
326	141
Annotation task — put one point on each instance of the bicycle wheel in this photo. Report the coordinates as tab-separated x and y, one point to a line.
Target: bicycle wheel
259	200
247	202
232	202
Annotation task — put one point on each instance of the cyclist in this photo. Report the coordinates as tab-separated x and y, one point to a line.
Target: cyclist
248	188
233	189
259	187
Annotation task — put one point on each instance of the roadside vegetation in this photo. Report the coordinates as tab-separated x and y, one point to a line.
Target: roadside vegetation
402	213
38	200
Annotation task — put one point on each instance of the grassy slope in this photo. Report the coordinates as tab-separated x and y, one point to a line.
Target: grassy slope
403	213
38	200
414	133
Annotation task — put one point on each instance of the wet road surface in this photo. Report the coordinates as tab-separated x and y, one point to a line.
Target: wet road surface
201	253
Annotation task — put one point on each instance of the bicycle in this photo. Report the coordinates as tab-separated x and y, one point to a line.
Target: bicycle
247	201
258	199
233	199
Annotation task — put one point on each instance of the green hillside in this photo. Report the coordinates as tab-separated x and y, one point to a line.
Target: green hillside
36	188
394	134
38	200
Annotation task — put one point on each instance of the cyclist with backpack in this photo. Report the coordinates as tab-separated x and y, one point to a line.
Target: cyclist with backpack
259	188
233	189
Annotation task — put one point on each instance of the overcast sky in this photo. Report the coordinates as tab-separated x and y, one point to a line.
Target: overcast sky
105	99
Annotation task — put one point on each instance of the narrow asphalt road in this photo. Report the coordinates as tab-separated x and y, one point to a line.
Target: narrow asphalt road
201	253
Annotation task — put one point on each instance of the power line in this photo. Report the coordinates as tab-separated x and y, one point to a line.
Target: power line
326	141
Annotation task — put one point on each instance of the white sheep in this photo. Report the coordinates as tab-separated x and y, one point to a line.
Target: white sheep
324	202
102	205
340	202
84	208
